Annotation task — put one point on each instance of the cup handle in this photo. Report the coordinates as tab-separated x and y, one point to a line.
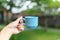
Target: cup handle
24	21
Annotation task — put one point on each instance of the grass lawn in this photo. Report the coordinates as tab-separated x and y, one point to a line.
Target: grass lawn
2	26
36	35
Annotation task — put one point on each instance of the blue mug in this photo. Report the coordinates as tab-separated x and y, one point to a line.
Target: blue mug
31	21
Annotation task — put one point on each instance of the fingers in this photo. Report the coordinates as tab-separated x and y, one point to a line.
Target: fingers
19	18
21	21
20	27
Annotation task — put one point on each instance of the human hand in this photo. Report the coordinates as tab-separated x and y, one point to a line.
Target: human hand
16	26
12	28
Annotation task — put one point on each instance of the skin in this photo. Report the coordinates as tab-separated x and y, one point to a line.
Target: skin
12	28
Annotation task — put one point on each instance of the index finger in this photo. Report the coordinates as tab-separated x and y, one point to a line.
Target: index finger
20	18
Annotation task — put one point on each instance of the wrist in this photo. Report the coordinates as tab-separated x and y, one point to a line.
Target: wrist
7	30
5	34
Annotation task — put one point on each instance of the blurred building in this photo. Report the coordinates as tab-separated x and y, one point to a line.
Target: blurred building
5	16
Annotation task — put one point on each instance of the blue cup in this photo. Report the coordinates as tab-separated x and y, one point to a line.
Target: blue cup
31	21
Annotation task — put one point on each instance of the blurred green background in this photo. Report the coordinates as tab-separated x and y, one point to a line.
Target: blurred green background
48	12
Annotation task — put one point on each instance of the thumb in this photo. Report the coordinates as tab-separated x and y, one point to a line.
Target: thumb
20	18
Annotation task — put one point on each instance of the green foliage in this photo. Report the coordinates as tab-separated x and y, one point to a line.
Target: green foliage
11	4
3	0
33	12
36	35
50	4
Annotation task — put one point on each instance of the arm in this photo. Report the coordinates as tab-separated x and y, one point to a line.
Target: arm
12	28
5	34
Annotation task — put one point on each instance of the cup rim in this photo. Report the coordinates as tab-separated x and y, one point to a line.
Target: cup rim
31	16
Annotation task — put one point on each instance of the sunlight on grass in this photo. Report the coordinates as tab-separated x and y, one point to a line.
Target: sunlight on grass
2	26
36	35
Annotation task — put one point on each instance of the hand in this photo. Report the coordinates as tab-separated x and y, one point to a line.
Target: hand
16	26
12	28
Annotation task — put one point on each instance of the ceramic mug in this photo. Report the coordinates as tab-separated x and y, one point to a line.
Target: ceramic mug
31	21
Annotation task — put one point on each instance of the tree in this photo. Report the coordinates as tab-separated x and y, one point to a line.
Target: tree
47	6
7	5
